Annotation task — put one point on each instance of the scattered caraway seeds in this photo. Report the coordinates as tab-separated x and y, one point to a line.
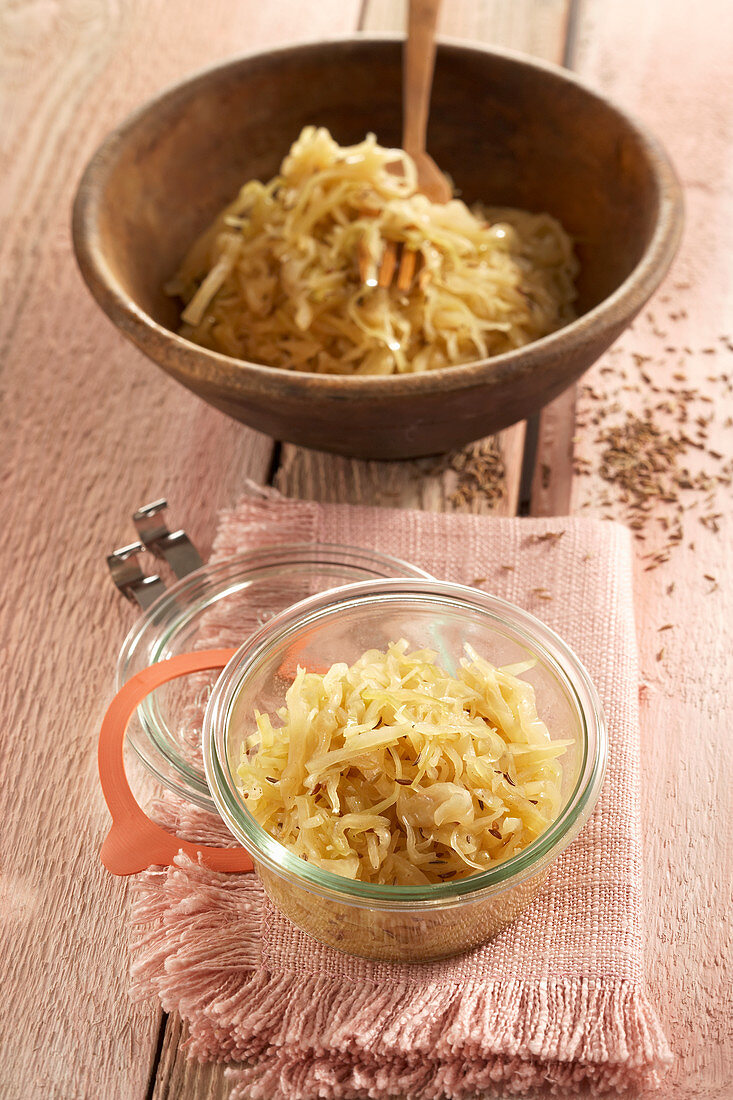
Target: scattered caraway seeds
548	536
481	474
644	453
667	626
660	654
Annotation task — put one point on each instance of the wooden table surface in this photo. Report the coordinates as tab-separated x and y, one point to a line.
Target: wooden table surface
91	430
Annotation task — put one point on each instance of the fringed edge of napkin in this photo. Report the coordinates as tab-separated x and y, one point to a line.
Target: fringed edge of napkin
196	946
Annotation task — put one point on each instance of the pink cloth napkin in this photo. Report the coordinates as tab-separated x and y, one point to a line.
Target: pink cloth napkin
556	1003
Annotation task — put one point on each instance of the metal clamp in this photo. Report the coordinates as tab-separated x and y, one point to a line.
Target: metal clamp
127	574
175	548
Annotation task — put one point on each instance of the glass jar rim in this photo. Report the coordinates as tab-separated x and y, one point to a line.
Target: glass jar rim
153	636
525	627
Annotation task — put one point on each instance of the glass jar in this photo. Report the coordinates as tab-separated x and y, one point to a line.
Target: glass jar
403	923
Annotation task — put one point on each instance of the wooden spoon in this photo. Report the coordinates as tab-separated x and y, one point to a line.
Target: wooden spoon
399	264
419	62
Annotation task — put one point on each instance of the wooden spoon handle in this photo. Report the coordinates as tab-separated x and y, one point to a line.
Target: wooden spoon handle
419	62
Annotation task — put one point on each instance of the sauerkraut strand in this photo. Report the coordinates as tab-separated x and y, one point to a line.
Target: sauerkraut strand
275	279
392	771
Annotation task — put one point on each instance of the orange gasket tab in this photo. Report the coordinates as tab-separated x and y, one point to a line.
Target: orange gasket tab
134	842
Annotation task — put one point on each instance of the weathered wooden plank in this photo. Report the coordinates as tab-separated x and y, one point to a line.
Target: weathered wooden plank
532	26
483	477
679	354
553	468
82	410
90	430
177	1077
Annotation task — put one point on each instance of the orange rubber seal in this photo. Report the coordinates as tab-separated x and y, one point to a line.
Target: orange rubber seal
134	842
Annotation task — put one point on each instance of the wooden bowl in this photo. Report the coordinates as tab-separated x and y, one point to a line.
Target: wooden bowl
507	129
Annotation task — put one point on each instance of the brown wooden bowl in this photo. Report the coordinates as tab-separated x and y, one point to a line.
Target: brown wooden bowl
509	130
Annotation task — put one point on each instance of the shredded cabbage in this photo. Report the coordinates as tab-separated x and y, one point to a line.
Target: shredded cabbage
275	279
391	771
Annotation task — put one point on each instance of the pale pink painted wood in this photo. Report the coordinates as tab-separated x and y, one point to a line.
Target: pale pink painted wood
670	62
89	431
553	468
534	27
433	484
178	1078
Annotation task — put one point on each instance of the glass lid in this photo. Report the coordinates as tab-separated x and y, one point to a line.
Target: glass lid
220	606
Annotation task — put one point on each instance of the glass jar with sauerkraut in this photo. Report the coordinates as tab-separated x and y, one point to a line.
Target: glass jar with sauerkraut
404	760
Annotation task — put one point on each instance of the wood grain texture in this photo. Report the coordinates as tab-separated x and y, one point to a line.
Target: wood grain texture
553	467
89	431
177	1077
481	478
683	343
536	27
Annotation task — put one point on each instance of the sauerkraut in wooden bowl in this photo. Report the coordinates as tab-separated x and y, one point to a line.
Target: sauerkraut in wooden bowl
403	760
509	131
290	274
